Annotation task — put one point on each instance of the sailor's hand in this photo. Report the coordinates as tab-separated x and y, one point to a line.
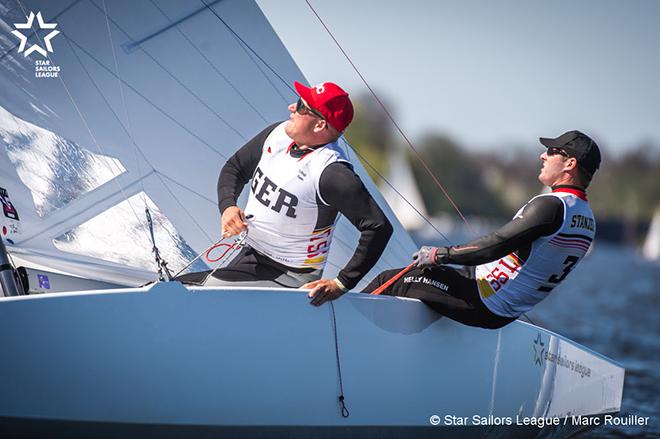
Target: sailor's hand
323	290
233	222
426	257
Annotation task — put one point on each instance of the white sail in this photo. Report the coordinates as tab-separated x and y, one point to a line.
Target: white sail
402	193
651	246
144	112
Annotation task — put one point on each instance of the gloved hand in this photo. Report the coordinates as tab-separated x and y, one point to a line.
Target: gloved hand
427	257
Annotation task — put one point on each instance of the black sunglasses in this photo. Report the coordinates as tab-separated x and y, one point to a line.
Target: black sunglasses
303	109
553	150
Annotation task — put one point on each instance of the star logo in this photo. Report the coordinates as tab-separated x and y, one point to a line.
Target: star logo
42	25
539	349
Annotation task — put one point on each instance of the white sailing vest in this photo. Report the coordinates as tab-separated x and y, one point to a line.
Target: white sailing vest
284	197
510	288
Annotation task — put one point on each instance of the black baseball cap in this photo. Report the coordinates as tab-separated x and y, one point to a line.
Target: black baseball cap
577	145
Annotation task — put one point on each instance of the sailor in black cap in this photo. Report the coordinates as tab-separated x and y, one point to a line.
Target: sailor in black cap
504	274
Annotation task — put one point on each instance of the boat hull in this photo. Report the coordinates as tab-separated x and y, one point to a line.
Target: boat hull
170	355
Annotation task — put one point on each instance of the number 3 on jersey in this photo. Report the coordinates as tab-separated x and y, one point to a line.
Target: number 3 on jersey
569	264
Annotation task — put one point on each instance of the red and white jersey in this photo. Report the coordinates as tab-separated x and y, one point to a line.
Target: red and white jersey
284	201
509	287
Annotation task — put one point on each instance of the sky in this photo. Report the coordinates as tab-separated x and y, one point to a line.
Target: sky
490	73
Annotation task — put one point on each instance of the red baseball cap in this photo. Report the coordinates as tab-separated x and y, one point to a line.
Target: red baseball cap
330	100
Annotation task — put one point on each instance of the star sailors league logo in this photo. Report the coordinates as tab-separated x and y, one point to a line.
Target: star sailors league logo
43	68
42	25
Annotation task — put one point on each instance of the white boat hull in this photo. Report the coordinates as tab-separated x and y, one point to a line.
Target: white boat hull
171	355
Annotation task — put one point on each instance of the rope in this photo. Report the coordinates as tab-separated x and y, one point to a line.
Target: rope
232	249
193	260
163	272
342	400
394	278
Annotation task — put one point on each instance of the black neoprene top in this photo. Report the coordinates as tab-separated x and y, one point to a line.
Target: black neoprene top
339	186
542	216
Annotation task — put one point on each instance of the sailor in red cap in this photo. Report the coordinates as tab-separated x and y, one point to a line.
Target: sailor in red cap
300	180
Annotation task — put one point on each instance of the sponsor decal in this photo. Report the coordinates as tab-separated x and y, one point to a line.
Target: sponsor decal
43	68
44	282
565	362
425	280
7	208
543	355
11	226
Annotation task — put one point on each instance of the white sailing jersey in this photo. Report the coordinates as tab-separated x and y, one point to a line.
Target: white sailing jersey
284	201
509	287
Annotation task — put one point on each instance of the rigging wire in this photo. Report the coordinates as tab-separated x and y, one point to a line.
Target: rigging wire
389	115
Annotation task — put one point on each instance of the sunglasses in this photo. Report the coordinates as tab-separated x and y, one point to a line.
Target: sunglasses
553	150
302	109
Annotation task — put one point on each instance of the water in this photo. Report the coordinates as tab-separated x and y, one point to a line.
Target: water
609	303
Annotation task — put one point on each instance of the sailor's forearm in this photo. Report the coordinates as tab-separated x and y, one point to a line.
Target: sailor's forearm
370	247
480	250
542	216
